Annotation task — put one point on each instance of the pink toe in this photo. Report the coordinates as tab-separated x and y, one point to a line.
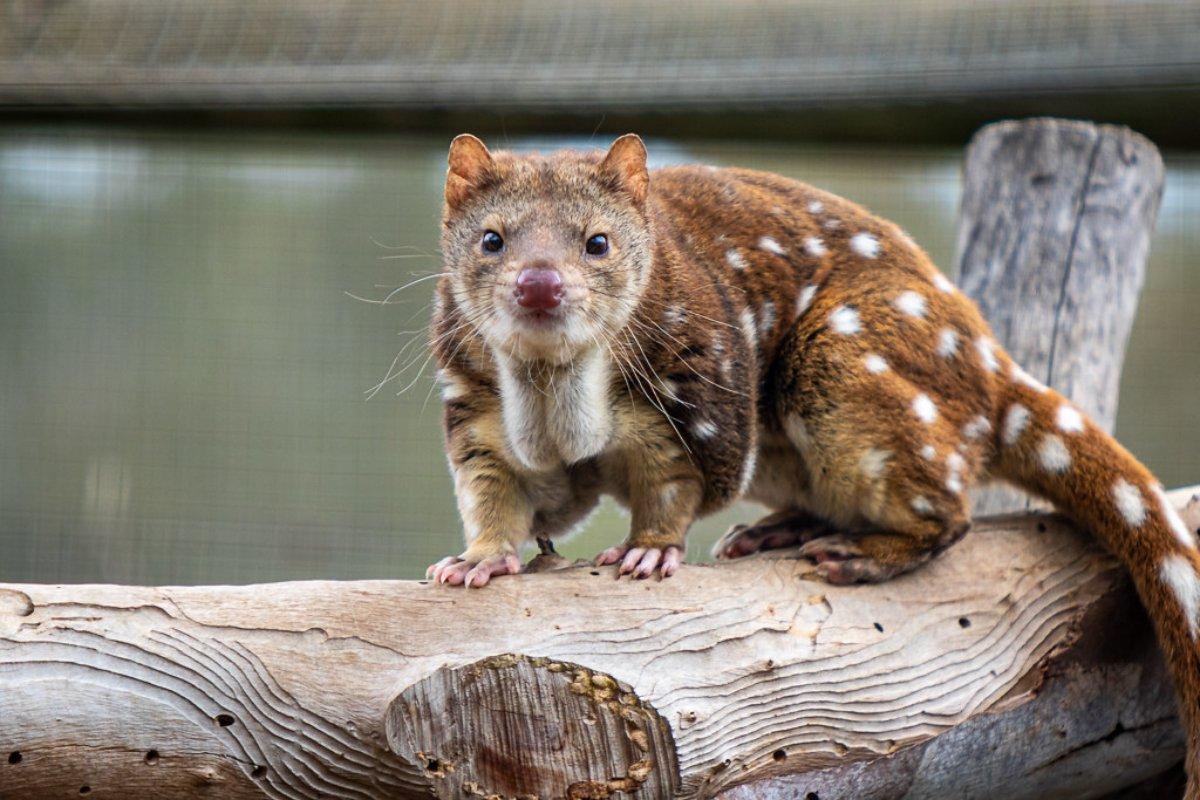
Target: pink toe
645	567
631	559
671	561
610	556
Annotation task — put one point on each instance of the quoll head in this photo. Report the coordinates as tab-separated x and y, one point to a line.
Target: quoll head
547	255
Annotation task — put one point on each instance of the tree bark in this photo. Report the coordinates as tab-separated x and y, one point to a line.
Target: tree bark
1016	665
1052	244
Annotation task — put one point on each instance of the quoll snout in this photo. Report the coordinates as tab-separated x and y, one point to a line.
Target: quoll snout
539	288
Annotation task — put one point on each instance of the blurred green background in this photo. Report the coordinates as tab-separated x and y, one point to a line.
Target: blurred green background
185	373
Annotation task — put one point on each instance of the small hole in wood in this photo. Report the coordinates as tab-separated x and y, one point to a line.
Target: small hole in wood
878	627
1041	179
85	789
225	720
151	756
812	796
14	757
258	772
779	755
1041	527
963	622
433	765
595	572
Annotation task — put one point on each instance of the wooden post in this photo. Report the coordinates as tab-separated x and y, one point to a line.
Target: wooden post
1016	665
1052	244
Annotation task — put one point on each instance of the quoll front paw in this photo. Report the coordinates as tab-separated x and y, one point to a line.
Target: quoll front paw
641	562
463	570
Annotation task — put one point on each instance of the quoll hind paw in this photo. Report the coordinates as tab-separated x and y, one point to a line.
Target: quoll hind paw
458	571
842	560
641	562
744	540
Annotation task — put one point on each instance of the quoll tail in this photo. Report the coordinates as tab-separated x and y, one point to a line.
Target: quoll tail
1046	446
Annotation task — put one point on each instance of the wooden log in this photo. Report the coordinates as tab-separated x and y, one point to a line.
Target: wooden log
1014	664
1052	244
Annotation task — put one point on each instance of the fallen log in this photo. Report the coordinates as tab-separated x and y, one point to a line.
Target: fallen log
1016	665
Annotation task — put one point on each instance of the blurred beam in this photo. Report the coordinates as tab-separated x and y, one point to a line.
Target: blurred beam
526	54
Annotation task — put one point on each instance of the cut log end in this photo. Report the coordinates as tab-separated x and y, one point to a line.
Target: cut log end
513	726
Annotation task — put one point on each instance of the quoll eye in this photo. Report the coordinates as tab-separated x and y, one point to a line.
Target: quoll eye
597	245
492	242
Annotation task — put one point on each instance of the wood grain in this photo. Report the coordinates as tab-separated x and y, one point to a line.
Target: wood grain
1052	244
757	671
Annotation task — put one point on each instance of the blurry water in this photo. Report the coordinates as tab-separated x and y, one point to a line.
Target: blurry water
183	375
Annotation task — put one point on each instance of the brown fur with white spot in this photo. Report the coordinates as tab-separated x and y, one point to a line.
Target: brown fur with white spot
751	335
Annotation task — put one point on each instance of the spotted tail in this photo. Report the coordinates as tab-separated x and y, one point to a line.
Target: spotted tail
1049	448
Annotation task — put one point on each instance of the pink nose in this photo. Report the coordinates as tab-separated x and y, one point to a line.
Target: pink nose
539	289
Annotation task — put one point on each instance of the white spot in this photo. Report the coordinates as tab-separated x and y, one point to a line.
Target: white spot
832	224
942	283
771	246
1177	573
816	207
845	321
873	461
452	387
1068	419
924	408
987	353
977	427
766	317
865	244
1021	376
1053	454
875	363
947	342
749	326
815	247
726	369
735	259
956	464
921	505
928	452
748	467
1015	421
805	299
704	428
669	388
1173	519
797	431
910	303
675	315
1129	502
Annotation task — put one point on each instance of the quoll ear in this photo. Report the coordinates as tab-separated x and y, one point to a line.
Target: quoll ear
626	161
470	163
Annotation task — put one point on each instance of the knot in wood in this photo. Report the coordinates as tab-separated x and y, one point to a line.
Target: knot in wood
515	727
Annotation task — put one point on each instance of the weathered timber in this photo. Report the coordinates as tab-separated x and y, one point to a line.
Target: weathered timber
1016	662
1052	244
